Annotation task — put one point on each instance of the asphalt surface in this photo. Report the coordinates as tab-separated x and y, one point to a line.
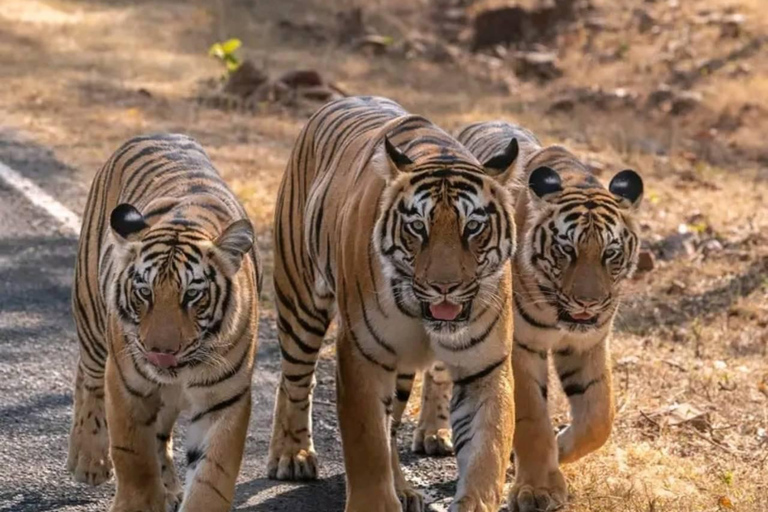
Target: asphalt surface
38	353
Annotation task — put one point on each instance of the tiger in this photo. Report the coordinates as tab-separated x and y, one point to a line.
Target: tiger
577	244
384	222
165	302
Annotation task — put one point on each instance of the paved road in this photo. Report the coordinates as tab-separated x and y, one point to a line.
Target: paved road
38	353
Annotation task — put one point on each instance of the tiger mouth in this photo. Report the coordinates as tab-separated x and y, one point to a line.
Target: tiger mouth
443	312
564	316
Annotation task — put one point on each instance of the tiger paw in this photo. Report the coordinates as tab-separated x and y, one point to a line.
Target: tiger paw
473	504
139	500
432	442
530	496
88	459
411	500
293	464
173	499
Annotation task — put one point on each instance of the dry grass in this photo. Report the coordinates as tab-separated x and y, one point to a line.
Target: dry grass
693	331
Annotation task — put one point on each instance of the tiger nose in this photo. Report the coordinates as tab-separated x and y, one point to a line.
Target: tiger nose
589	302
445	287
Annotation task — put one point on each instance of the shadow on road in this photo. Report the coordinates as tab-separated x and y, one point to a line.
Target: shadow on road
326	495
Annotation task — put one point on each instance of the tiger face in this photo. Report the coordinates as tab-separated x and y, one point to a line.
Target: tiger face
443	235
173	288
581	242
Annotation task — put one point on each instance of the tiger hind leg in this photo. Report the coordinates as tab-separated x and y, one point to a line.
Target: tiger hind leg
302	325
88	458
433	433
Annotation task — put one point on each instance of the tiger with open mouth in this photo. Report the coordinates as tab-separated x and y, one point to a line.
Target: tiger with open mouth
577	245
383	218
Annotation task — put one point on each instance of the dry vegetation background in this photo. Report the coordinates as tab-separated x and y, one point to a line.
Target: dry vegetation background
676	89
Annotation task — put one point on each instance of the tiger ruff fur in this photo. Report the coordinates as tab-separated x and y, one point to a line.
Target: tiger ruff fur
166	307
386	220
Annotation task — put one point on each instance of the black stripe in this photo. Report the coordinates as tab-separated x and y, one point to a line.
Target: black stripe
479	375
541	353
194	455
224	376
579	389
219	406
529	319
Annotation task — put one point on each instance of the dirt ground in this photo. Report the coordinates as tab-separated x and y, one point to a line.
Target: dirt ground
690	345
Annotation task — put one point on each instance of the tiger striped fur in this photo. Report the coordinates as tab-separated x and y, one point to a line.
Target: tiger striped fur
577	243
165	304
386	220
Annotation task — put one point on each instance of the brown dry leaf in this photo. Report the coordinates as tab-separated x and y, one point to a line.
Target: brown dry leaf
725	503
685	413
763	387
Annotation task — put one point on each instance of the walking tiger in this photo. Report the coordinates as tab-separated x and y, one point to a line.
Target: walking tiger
577	244
385	220
166	308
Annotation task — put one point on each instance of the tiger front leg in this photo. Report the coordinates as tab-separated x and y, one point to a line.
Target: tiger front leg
131	412
433	433
166	418
410	498
292	453
586	380
88	459
364	388
539	484
483	421
215	446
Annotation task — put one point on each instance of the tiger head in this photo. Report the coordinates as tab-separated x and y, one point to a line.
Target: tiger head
444	233
579	240
174	288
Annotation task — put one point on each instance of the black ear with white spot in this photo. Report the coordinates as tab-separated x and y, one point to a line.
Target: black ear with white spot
127	221
628	186
500	162
545	180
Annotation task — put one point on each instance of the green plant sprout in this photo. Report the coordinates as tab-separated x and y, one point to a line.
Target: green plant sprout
225	52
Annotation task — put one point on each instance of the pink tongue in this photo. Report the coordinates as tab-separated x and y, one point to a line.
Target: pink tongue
582	316
445	310
161	360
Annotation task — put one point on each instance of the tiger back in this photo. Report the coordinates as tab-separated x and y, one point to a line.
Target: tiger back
166	308
386	222
577	244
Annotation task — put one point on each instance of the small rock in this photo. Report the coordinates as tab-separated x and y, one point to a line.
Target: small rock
301	78
646	261
680	335
540	65
685	102
677	245
730	26
711	246
645	21
661	95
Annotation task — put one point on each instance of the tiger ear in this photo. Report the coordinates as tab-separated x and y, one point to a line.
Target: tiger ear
627	186
389	161
233	243
500	165
544	181
127	222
